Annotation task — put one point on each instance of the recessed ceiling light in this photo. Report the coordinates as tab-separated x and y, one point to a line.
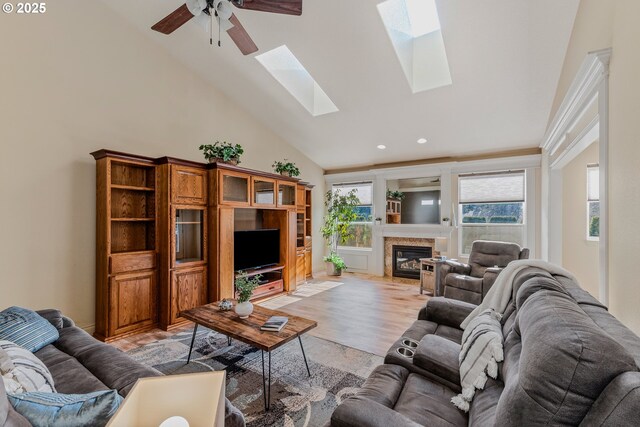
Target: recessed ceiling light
422	141
381	147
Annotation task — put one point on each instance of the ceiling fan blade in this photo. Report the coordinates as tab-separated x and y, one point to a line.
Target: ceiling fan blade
175	20
240	37
288	7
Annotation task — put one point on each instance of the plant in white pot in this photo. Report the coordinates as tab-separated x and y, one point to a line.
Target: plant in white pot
341	212
245	286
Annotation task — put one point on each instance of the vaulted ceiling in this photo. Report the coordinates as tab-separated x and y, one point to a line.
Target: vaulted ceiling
505	59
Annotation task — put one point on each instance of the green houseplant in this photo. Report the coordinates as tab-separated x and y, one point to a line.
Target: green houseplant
341	212
245	286
286	167
395	195
222	152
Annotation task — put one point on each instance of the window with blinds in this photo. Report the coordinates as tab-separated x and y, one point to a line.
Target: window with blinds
491	207
593	202
362	227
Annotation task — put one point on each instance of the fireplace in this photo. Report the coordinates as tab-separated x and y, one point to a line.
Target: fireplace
406	260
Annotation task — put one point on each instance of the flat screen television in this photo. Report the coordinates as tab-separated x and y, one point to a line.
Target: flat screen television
256	249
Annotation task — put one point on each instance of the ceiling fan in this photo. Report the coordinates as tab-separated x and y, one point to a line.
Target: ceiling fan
205	11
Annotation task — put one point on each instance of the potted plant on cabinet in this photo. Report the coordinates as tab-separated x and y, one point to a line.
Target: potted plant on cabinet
395	195
341	212
286	168
245	286
222	152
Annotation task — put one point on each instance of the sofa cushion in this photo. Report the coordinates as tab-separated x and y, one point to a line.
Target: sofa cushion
462	295
68	410
473	284
110	365
439	356
452	334
482	411
26	328
22	371
562	368
53	316
384	384
429	403
68	374
419	329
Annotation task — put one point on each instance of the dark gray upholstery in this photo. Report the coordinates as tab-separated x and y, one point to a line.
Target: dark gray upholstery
567	362
471	282
81	364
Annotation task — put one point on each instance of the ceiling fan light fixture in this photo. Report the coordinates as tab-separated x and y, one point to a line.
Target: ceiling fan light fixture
422	141
223	9
196	6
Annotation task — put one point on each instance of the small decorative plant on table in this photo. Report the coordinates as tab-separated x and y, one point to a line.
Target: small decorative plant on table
222	152
395	195
286	168
341	212
245	286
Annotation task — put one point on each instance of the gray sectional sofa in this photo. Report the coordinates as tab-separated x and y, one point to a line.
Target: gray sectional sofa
81	364
567	362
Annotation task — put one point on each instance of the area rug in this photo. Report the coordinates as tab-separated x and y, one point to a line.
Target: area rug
297	399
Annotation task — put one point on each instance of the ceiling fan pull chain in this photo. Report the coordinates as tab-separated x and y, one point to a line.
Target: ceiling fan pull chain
219	43
211	29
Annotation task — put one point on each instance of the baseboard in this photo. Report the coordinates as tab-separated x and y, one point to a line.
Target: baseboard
89	328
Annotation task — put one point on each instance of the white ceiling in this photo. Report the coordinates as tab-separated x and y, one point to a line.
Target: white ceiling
505	58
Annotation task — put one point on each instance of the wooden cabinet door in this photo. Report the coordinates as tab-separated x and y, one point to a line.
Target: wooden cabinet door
234	188
263	192
308	264
188	290
300	270
286	194
132	302
188	185
301	196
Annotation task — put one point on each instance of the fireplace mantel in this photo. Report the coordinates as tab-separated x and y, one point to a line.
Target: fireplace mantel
414	230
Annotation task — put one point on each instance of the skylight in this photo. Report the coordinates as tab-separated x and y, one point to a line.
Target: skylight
414	29
291	74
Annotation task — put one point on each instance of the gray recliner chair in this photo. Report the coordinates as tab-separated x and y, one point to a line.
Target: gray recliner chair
471	282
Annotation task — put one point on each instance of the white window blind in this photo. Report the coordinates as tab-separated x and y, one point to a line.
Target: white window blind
494	188
593	183
363	191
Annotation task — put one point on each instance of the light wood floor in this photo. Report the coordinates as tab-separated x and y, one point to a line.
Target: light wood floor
366	312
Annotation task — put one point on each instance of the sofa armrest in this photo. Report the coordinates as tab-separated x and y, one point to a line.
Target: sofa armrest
54	317
446	311
359	411
455	267
489	278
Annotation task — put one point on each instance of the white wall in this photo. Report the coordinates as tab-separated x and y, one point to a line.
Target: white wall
75	80
601	24
579	255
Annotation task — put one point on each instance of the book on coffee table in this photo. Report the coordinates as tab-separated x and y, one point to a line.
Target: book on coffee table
274	323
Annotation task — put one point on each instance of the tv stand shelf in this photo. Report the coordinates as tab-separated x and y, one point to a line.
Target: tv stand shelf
251	273
273	282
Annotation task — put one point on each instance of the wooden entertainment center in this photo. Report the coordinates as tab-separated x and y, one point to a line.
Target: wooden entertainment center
165	236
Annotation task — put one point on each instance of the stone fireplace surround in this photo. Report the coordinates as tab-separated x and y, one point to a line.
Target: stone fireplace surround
403	241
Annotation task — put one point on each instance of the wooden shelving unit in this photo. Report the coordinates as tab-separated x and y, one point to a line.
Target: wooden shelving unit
394	207
126	262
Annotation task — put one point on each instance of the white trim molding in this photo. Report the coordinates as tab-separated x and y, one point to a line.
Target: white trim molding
567	136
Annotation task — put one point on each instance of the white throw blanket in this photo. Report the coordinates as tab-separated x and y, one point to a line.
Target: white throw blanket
481	351
499	295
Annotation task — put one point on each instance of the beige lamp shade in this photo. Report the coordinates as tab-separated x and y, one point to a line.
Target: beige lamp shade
198	398
442	245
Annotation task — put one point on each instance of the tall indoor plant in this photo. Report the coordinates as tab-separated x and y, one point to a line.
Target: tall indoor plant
341	212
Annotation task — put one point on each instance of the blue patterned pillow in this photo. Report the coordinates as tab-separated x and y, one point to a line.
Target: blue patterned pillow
26	328
68	410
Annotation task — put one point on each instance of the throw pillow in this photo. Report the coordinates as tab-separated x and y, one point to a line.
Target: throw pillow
68	410
22	371
26	328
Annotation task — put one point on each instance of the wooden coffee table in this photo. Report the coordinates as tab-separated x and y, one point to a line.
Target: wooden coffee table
248	331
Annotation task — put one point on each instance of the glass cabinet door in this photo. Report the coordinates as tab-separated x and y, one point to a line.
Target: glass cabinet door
189	242
235	188
286	194
264	192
